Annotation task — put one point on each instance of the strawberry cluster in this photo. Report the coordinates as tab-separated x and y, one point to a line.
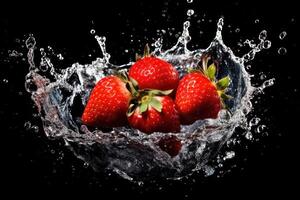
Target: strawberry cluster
152	98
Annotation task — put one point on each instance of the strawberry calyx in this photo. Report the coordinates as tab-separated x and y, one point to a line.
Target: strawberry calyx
142	99
210	70
146	99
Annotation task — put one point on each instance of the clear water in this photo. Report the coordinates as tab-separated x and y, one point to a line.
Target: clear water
60	96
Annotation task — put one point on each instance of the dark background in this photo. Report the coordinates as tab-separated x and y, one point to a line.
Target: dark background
33	163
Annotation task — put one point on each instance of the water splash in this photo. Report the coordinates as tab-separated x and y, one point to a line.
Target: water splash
229	155
190	12
14	53
263	44
61	95
282	51
282	35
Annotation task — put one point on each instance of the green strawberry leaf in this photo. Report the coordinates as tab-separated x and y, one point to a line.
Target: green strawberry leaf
225	96
132	86
211	72
160	92
144	107
156	104
122	75
134	83
223	83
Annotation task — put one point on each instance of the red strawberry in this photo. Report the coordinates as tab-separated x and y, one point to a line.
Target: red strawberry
151	113
154	73
198	96
107	104
170	144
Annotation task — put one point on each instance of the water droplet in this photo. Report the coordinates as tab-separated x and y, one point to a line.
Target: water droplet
50	48
263	35
35	129
248	67
126	50
140	183
254	121
249	136
262	76
229	155
260	128
256	21
15	53
282	51
189	1
237	30
92	31
43	67
190	12
85	165
60	57
282	35
61	156
268	83
267	44
30	42
186	24
27	125
52	151
208	170
30	85
5	81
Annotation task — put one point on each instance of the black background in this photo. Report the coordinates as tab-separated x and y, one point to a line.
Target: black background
31	161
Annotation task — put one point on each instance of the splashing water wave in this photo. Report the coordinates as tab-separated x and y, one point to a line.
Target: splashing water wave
61	95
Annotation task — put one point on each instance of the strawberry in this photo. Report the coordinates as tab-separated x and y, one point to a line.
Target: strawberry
198	96
170	144
150	112
107	104
154	73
